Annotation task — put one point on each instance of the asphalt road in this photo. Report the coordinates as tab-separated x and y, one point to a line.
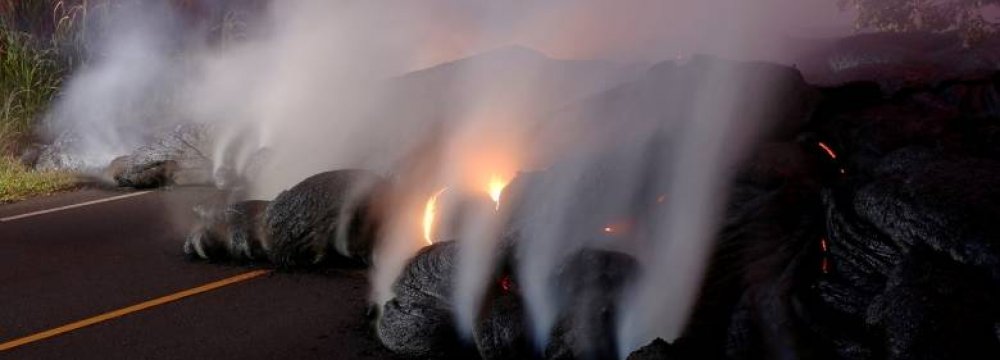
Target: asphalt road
75	263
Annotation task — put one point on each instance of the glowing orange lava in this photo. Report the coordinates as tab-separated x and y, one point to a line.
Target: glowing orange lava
828	150
495	188
430	213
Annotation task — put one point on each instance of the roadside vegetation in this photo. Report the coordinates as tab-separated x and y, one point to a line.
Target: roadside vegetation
970	19
18	182
40	41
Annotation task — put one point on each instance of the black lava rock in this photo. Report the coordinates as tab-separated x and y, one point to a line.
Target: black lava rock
128	171
589	285
328	214
233	232
949	203
936	308
172	157
658	349
418	321
502	330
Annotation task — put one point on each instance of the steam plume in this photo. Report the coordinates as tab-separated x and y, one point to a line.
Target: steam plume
315	85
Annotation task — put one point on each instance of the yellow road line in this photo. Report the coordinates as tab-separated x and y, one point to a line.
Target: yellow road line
131	309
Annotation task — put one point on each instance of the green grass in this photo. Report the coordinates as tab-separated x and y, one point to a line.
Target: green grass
17	182
29	79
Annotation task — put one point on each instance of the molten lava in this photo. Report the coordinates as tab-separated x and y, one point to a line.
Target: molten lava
828	150
430	213
495	188
824	264
619	228
506	283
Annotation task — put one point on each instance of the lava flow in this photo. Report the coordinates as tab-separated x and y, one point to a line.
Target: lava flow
827	149
430	212
495	188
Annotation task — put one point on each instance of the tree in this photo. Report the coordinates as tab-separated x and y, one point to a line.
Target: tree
966	17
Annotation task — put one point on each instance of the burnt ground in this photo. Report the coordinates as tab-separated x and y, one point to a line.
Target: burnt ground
69	265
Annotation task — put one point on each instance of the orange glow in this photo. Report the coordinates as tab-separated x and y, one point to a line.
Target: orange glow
661	199
618	228
495	188
489	150
822	244
430	213
828	150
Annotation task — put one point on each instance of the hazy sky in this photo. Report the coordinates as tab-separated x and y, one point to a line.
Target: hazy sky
646	30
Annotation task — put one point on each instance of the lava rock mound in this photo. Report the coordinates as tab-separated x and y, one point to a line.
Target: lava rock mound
418	321
331	213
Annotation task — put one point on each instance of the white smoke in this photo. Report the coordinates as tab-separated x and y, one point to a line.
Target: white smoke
110	105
